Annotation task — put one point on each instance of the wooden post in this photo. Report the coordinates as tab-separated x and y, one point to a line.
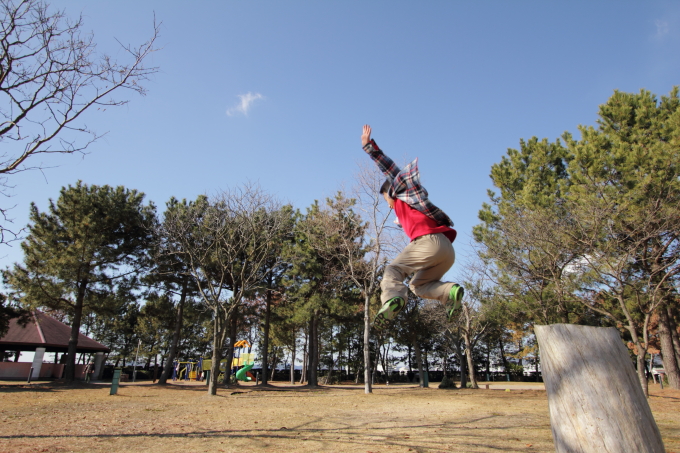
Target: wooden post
595	399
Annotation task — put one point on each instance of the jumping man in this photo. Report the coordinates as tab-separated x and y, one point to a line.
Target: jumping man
430	253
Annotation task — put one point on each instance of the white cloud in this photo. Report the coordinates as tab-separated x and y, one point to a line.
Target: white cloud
662	29
244	105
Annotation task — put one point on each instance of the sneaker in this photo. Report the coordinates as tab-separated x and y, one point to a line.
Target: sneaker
388	311
455	296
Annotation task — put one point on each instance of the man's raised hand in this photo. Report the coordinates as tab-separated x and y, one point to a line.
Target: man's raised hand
366	135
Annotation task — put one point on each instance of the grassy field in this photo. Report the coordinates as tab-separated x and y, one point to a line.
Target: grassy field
51	417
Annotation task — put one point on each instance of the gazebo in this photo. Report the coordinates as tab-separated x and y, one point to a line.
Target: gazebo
45	334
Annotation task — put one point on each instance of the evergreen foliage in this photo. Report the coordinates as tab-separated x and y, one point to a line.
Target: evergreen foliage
87	248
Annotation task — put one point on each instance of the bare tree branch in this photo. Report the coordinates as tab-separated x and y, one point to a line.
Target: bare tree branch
50	75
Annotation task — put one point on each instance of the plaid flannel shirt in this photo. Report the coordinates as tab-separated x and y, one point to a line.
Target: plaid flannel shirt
406	184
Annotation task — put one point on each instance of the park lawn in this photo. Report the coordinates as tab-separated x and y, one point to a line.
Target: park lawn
52	417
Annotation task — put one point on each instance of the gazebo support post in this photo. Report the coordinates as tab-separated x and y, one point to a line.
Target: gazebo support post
98	368
37	362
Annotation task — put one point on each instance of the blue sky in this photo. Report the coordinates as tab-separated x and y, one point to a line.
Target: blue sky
453	83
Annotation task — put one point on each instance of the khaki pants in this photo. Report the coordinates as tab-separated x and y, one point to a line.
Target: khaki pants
428	257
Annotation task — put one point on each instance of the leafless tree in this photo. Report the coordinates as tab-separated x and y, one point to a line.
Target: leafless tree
434	313
50	75
463	332
226	241
362	256
382	240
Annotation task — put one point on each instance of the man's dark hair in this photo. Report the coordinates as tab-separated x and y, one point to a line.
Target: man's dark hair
386	186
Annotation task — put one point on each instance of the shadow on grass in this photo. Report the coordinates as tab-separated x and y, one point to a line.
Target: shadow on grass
665	397
413	436
57	386
242	389
53	386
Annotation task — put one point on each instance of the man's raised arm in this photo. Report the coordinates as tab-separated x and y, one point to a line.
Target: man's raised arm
385	164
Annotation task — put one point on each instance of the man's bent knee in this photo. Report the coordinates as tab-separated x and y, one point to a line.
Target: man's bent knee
417	290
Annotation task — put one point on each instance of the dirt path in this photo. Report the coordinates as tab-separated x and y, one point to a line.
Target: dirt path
182	418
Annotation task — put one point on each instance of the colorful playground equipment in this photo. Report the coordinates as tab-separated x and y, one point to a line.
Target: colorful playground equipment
197	370
241	359
191	370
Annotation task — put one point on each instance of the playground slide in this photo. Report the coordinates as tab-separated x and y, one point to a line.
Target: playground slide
241	374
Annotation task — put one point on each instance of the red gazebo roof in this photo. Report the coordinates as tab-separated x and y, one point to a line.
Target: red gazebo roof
45	332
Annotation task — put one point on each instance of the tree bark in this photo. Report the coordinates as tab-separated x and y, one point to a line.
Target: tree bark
292	362
501	347
671	309
218	342
265	336
313	355
586	370
329	375
375	361
640	361
670	362
175	336
470	363
70	369
463	364
233	326
368	384
419	362
305	355
410	358
275	361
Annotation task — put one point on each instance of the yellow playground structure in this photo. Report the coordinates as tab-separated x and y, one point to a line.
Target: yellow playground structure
198	370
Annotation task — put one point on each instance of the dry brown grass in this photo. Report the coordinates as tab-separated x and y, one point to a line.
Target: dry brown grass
181	418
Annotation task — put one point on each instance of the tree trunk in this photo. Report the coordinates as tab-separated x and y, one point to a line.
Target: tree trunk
368	384
586	370
313	356
275	361
501	346
305	355
470	362
349	355
218	344
149	357
375	361
670	362
463	365
463	369
233	326
329	375
410	358
155	368
419	362
292	362
640	362
70	369
671	309
385	364
642	371
265	335
175	336
488	358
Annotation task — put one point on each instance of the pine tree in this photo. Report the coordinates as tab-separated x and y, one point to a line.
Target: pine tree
91	240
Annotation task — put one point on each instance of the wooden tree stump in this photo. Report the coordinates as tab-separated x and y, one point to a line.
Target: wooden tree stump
595	399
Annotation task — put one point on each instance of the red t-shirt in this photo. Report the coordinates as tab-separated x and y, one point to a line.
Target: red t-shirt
416	224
